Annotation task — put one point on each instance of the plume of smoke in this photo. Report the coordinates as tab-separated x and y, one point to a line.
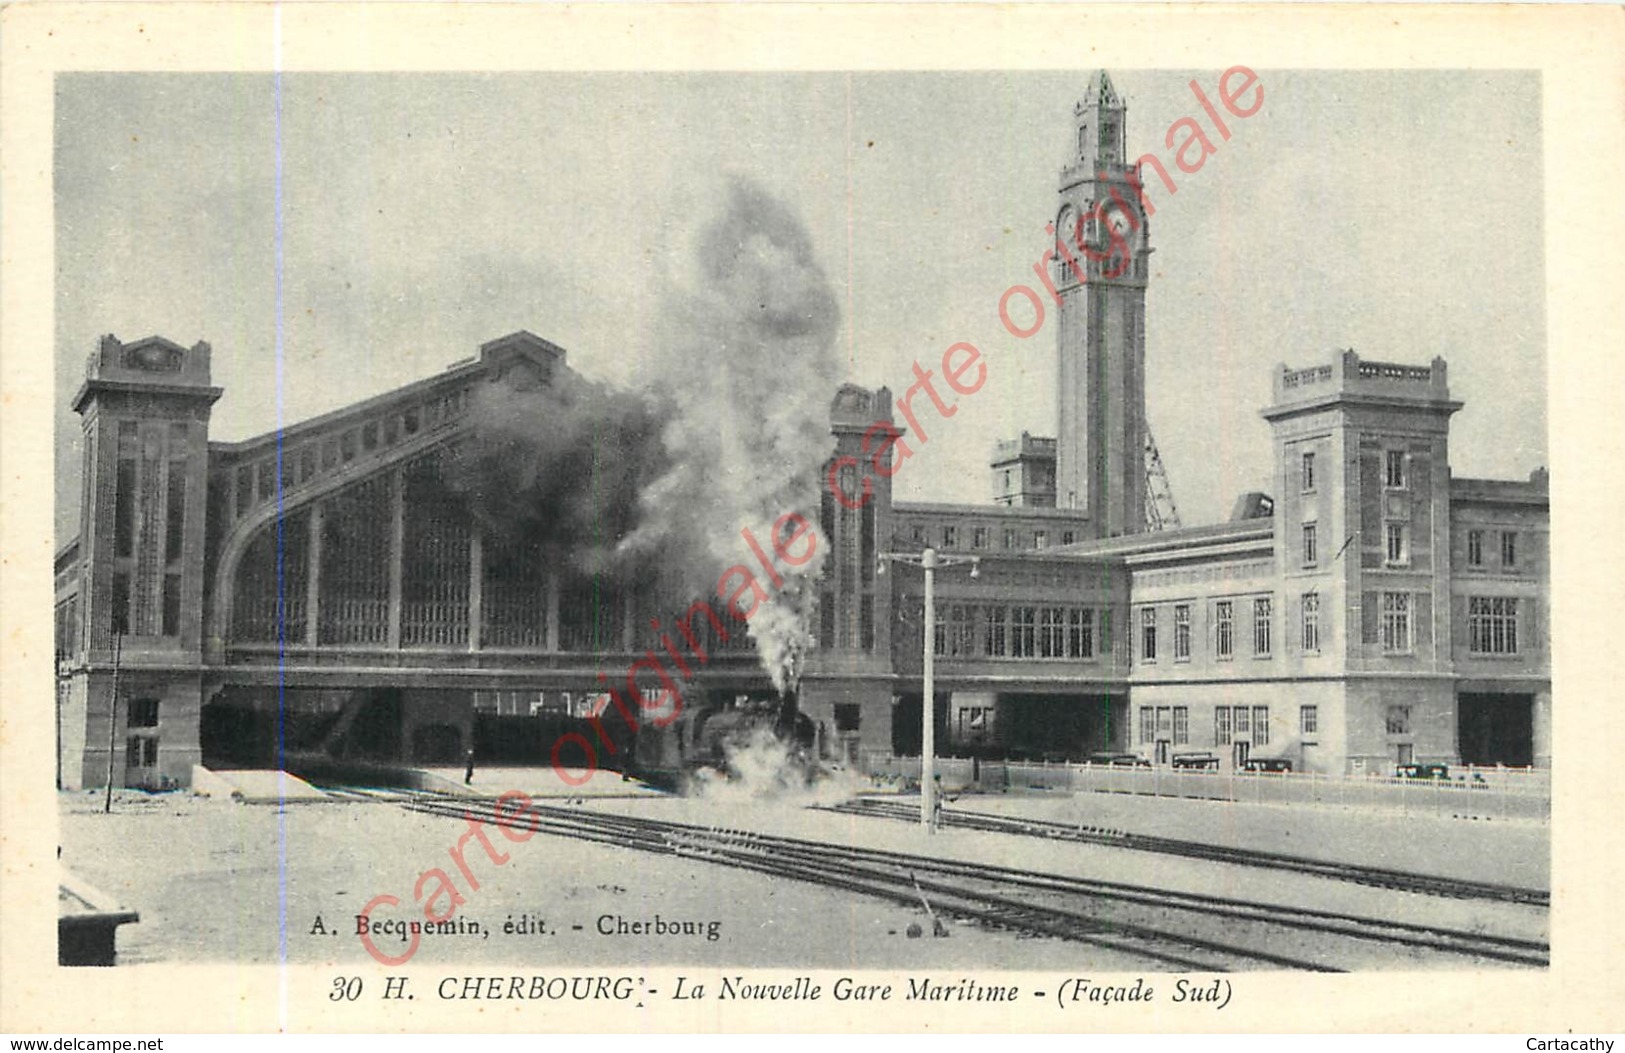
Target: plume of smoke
560	466
728	431
748	363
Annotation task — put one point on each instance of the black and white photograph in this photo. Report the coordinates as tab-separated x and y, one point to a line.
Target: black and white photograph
1009	539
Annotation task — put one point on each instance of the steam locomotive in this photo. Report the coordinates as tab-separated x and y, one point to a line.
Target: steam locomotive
729	736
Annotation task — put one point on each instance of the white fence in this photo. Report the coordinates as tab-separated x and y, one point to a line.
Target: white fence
1496	793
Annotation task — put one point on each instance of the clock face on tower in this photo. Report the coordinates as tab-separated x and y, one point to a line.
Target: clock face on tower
1118	220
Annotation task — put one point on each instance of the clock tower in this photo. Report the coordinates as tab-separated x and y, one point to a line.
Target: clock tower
1100	274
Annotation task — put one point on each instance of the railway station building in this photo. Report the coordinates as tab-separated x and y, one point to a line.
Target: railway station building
1372	610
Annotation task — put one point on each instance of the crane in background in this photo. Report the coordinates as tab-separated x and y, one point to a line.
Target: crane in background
1160	511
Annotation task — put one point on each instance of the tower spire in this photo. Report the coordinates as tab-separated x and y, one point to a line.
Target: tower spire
1099	119
1100	92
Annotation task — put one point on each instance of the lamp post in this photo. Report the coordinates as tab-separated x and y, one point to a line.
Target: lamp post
930	561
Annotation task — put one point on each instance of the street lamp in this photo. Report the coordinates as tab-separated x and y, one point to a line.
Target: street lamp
930	561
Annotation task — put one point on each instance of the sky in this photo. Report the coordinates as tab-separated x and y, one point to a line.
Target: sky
415	216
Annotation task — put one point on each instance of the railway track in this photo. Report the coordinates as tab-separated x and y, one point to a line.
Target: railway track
1185	931
1405	881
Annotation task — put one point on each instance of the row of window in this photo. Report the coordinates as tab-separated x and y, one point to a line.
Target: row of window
1508	546
1396	544
1224	628
950	536
1395	475
1230	724
288	467
971	630
1492	626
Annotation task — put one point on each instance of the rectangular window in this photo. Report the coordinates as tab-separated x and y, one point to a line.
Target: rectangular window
1509	548
172	605
950	535
1397	551
961	630
1080	633
1475	548
1148	634
1308	720
1068	536
996	620
140	751
1023	632
143	712
1182	725
120	602
1311	552
978	537
1396	622
1148	724
1010	539
1243	724
1182	633
939	630
265	471
866	542
124	509
1394	469
245	489
1040	539
1492	624
1165	722
175	512
1311	622
917	532
1308	473
1221	726
1261	627
1261	725
848	716
1052	632
1399	720
1225	628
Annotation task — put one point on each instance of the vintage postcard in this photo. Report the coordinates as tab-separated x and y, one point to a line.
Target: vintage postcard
817	519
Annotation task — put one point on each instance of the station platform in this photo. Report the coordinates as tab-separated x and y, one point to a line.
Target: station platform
253	786
542	782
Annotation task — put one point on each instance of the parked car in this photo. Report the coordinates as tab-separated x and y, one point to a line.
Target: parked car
1267	764
1422	771
1196	761
1119	760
